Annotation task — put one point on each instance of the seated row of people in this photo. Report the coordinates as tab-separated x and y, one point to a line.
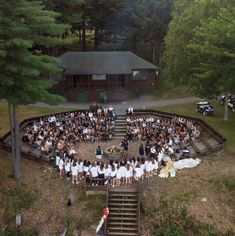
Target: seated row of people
173	130
51	132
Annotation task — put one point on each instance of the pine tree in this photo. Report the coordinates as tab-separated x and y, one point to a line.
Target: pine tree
25	25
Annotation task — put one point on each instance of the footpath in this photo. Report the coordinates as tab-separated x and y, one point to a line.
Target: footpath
140	103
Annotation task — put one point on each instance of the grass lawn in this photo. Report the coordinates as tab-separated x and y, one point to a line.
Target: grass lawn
25	112
225	128
42	197
168	92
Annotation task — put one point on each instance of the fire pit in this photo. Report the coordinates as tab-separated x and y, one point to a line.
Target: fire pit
114	153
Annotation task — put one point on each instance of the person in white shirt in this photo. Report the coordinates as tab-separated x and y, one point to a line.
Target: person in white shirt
170	150
94	174
74	170
61	167
57	162
148	168
101	171
113	175
130	110
155	169
107	173
99	112
118	177
67	168
138	173
160	158
105	111
80	169
129	173
90	114
123	171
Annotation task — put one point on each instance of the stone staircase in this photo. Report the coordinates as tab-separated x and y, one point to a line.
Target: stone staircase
124	211
120	127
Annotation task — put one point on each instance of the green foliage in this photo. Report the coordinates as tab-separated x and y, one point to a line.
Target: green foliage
205	230
230	184
173	231
175	221
21	198
92	204
25	27
200	46
147	26
70	10
16	198
213	46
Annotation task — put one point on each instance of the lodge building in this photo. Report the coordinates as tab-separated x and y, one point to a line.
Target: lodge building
104	75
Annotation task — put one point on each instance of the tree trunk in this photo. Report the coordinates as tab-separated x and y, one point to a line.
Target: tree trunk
96	40
12	133
153	52
16	137
80	36
226	107
84	34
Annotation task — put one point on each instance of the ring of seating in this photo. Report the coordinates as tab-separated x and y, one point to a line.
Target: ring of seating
163	137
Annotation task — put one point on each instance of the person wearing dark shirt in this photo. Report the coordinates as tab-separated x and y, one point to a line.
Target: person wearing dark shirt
98	152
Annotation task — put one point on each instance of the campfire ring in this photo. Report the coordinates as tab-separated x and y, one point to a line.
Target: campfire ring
113	153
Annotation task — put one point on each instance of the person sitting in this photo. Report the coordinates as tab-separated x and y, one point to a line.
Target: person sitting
130	111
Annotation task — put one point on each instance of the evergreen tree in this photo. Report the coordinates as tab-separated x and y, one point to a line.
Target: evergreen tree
149	25
24	26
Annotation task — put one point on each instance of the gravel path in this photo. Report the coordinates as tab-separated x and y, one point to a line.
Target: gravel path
120	107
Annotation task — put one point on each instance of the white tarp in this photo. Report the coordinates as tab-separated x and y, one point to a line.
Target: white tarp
186	163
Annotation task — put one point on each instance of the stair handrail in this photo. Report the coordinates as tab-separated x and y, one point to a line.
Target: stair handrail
107	199
138	189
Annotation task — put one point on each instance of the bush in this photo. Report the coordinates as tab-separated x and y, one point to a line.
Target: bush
172	231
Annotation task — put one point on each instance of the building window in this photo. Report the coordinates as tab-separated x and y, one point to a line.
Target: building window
98	77
140	74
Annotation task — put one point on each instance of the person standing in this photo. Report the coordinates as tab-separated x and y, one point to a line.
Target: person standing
141	150
98	153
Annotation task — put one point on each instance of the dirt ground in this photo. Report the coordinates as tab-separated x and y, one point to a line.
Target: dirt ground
87	151
200	190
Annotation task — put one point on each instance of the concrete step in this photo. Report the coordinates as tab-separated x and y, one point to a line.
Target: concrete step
122	209
121	122
122	214
123	218
121	234
123	194
122	128
122	223
122	229
119	135
123	204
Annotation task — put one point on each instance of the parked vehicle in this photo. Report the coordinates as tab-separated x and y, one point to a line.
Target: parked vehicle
231	101
205	108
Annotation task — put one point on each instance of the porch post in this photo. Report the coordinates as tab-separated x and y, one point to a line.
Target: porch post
89	82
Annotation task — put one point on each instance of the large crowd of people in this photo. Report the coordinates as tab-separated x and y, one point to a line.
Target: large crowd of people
113	172
62	131
162	130
160	139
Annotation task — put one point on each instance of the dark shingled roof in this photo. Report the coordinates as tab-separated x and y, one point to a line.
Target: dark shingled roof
112	62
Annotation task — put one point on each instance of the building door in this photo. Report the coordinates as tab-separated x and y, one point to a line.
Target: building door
121	81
